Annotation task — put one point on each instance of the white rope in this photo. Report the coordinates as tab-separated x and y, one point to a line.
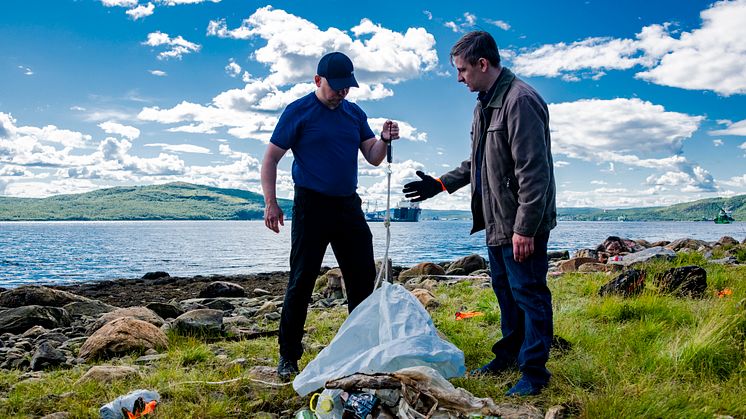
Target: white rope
386	223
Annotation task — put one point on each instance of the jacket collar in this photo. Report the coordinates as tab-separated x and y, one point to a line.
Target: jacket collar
503	82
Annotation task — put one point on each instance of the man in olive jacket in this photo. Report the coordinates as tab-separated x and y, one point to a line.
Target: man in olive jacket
513	198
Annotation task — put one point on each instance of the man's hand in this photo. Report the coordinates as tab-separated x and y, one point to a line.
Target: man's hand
273	217
523	247
390	131
421	190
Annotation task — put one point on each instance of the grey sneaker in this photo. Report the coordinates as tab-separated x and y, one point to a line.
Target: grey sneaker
286	369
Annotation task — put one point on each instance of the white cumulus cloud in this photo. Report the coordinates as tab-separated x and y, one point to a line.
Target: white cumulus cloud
126	131
176	47
181	148
141	11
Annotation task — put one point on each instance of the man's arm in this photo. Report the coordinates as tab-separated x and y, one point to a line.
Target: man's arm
373	149
273	216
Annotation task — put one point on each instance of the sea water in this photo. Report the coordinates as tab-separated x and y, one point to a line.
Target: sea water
65	252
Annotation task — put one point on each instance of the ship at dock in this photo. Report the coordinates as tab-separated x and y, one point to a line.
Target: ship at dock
405	211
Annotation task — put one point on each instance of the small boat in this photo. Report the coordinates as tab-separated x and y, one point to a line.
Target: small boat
723	217
405	211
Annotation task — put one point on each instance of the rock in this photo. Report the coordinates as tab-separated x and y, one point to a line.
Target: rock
237	321
108	374
685	281
149	359
586	253
614	245
653	253
421	269
687	243
556	412
467	265
268	307
558	254
36	295
727	241
264	373
644	243
426	298
259	292
34	332
203	322
46	356
156	275
20	319
330	284
138	312
390	270
165	310
91	308
593	267
628	283
220	304
573	264
728	260
121	336
222	289
661	243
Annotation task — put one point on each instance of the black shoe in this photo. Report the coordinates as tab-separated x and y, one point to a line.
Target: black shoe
495	367
524	387
286	369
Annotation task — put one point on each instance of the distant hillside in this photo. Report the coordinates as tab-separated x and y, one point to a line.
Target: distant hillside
171	201
185	201
704	209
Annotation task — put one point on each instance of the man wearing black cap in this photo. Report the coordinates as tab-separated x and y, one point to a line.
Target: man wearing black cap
325	132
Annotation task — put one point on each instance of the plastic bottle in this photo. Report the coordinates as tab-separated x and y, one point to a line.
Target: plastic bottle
327	404
113	409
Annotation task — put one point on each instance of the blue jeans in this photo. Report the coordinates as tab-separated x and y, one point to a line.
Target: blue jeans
525	309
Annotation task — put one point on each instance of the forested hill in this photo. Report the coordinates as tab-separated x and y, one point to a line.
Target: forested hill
704	209
171	201
185	201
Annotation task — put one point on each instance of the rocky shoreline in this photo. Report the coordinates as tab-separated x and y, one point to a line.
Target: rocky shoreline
57	327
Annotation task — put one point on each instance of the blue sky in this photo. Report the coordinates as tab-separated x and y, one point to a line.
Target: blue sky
647	98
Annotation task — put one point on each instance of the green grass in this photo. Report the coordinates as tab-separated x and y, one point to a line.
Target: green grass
651	356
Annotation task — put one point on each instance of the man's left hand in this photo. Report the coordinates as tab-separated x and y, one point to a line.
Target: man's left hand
390	131
523	247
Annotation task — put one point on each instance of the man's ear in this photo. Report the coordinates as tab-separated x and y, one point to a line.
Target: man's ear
484	65
317	80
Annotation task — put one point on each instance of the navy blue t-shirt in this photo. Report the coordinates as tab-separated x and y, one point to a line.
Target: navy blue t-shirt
325	143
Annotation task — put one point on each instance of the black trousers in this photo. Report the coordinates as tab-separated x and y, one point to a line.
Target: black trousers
320	220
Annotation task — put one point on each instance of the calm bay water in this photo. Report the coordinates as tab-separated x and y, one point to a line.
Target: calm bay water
63	252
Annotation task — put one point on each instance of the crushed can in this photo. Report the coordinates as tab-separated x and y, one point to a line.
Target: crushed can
360	405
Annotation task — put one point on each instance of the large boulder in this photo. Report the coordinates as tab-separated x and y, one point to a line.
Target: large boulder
466	265
614	245
47	356
421	269
628	283
331	284
222	289
558	254
138	312
156	275
20	319
684	281
202	322
653	253
122	336
36	295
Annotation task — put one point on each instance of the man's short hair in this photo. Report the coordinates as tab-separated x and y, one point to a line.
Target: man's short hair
475	45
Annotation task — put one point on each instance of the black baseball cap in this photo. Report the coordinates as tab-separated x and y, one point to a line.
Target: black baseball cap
337	69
